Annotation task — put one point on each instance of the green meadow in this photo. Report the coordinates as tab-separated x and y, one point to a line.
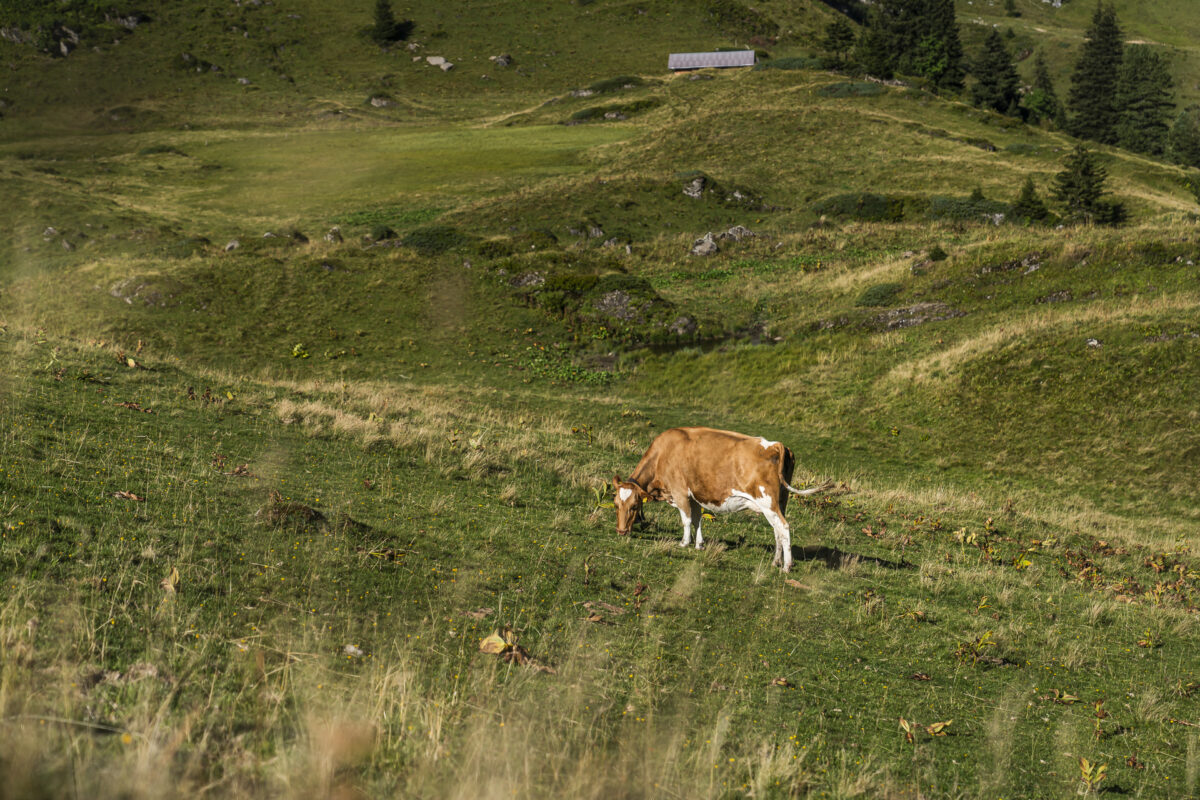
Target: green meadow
285	513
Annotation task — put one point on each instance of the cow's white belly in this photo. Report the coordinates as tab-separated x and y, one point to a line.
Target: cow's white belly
737	501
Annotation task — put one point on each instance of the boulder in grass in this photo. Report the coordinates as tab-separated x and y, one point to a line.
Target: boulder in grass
706	245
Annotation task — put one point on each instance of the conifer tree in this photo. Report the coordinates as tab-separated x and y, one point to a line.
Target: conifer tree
385	23
1144	101
1010	8
838	39
997	85
1094	82
917	37
873	50
1042	103
1184	139
1080	187
939	54
386	28
1028	205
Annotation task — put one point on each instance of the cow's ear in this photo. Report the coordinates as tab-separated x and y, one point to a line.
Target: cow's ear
655	494
616	481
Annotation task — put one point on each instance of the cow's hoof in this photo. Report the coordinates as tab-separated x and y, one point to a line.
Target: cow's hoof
684	544
700	546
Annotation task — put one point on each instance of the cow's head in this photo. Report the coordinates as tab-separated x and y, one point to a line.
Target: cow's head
628	499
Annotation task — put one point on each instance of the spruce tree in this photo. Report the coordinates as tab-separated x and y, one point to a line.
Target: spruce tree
1042	103
838	39
916	37
1184	139
939	54
1144	101
873	51
1010	8
1094	83
384	29
997	85
1080	187
1028	205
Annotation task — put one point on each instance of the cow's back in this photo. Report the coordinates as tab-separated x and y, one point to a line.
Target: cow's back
710	462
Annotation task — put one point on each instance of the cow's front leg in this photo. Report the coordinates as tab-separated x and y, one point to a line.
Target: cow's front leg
685	515
697	518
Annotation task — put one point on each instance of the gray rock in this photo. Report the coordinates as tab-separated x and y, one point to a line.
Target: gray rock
231	245
917	314
381	101
49	232
436	61
527	279
582	93
594	232
152	291
695	187
446	66
244	81
334	235
737	233
683	326
269	235
618	304
1094	343
616	115
67	246
706	245
502	60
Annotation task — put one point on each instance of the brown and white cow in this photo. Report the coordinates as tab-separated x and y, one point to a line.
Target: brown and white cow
722	471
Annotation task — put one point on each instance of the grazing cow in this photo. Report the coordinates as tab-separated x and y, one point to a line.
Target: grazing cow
722	471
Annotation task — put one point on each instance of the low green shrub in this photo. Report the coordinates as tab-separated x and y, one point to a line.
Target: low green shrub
381	232
616	84
866	206
161	149
881	294
495	248
628	109
435	239
791	62
851	89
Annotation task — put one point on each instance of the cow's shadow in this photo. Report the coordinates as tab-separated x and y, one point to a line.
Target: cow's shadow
839	559
833	557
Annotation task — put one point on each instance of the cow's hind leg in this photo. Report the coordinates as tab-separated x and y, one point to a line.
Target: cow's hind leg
783	536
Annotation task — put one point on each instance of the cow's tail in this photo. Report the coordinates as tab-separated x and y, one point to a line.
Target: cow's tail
814	490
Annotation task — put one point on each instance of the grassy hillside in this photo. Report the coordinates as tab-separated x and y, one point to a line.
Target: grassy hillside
305	398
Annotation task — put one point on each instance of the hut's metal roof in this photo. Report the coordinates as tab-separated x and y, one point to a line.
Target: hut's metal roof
725	58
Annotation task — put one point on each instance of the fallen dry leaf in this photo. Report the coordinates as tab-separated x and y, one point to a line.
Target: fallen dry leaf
242	471
480	613
920	676
504	644
938	728
124	495
170	584
784	682
797	584
132	406
594	617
